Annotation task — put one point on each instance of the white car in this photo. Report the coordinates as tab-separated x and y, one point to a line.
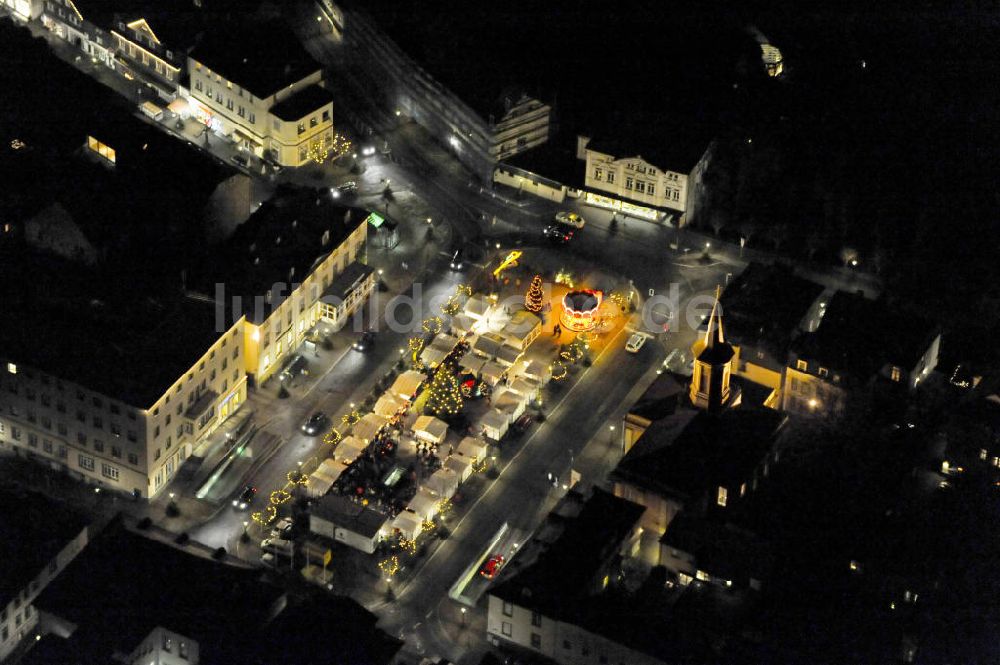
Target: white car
571	218
282	528
635	342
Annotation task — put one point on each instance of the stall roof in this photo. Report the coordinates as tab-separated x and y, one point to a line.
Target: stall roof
472	447
347	453
472	363
492	371
388	405
369	426
477	306
525	387
433	355
508	354
462	323
424	504
435	428
443	482
458	465
494	419
409	524
407	383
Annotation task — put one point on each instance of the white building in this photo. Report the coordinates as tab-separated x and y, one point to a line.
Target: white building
523	125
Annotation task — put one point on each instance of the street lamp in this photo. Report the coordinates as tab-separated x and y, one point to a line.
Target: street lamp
463	617
611	431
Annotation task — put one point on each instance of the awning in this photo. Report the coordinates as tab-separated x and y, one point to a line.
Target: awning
178	106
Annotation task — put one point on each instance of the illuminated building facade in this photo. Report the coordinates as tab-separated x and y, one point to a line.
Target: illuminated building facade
523	125
25	10
260	88
713	364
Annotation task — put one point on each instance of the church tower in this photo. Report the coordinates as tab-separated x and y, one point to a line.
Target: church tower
712	365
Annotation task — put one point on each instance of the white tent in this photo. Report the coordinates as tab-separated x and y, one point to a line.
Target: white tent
472	449
522	329
407	384
492	373
538	371
433	355
460	466
510	403
443	482
470	362
462	324
430	429
507	355
424	504
348	451
388	405
525	388
368	427
408	524
487	344
319	483
493	424
477	307
445	341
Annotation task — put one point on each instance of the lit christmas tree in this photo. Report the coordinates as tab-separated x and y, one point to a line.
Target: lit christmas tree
533	300
445	394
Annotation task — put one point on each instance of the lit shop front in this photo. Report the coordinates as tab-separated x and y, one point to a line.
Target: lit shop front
580	310
623	207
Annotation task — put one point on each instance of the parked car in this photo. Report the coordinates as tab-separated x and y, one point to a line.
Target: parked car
522	424
277	545
570	218
558	233
492	566
245	497
296	365
241	160
315	424
344	189
364	342
635	342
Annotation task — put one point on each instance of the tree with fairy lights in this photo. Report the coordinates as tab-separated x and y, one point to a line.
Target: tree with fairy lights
445	398
534	299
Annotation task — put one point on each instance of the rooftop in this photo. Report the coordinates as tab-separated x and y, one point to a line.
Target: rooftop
485	54
693	452
764	306
343	512
262	57
860	336
233	614
35	529
177	24
344	283
661	397
555	160
278	246
722	549
136	348
302	103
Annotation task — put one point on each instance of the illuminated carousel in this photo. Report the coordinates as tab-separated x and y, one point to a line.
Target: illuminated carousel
580	308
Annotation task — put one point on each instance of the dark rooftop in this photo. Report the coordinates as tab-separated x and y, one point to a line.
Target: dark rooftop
687	455
344	283
860	336
233	614
483	52
343	512
661	397
722	549
302	103
277	246
262	57
35	529
176	23
764	306
555	160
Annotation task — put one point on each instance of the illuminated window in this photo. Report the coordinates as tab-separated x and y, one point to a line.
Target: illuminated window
598	173
743	489
628	183
896	374
12	368
651	190
506	628
801	365
702	575
823	372
611	177
101	149
722	496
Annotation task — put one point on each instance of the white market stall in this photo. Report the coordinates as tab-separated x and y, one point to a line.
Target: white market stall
430	429
460	467
443	483
537	371
510	403
507	355
432	355
493	424
389	405
522	329
526	388
492	373
472	449
472	363
477	307
408	525
369	427
407	384
424	504
487	345
462	324
348	450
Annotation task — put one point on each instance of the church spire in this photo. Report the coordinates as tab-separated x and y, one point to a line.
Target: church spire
714	335
713	364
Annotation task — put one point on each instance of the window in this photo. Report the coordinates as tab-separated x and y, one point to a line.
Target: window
536	641
536	619
640	187
81	438
133	459
167	644
801	365
98	423
156	455
116	452
651	190
598	173
105	152
98	446
32	440
628	183
16	433
313	122
11	368
109	471
86	462
506	628
182	650
896	374
508	609
326	116
722	496
252	118
823	372
611	177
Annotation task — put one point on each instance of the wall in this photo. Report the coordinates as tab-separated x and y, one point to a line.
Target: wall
659	510
524	126
506	175
291	148
622	177
228	207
